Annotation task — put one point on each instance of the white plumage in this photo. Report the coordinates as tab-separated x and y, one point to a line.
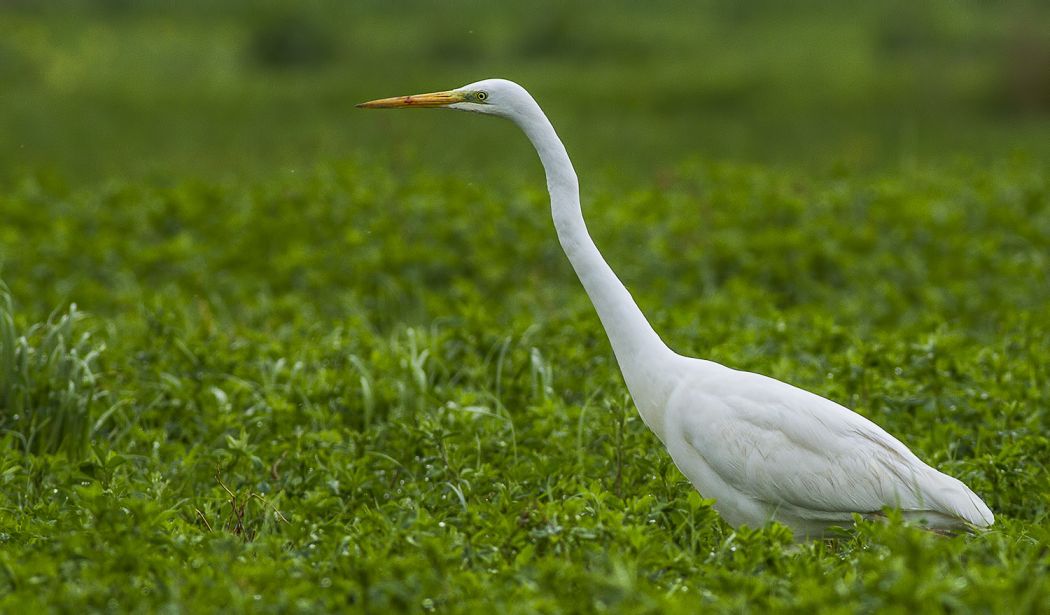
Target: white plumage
762	449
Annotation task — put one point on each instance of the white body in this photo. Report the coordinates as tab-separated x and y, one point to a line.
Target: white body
765	450
762	449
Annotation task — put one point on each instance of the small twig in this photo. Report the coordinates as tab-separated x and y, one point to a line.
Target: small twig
201	516
239	508
272	507
235	510
218	479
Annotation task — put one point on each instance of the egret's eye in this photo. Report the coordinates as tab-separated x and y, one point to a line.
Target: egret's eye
481	96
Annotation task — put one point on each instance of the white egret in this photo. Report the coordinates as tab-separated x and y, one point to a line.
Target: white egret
762	449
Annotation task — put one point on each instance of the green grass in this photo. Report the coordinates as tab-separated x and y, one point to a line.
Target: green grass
245	88
48	387
340	389
262	353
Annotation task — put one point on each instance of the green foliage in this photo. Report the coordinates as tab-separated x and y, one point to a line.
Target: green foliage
384	390
347	366
242	88
47	383
291	40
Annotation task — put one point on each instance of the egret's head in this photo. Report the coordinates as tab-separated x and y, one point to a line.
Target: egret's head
491	96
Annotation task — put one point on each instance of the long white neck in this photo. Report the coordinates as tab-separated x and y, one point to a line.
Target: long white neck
642	355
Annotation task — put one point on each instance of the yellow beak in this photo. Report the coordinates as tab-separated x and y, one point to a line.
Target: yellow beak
434	99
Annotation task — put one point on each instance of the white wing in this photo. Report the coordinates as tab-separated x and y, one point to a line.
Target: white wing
809	458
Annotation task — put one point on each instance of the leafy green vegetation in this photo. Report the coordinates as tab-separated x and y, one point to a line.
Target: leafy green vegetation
246	88
47	389
322	361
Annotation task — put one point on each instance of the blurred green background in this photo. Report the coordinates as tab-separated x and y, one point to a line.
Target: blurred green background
363	319
119	88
